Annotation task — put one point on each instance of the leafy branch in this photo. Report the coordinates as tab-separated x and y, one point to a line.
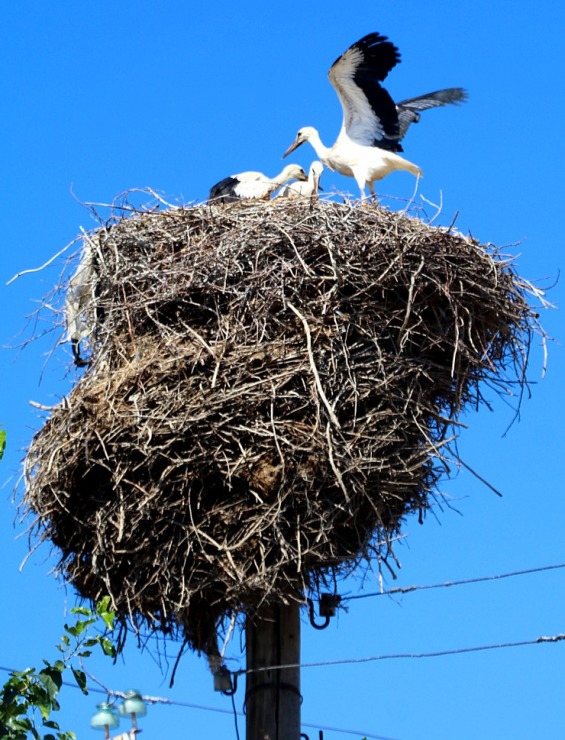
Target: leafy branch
29	697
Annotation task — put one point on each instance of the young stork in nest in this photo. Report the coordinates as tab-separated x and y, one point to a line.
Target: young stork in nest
306	189
373	125
253	185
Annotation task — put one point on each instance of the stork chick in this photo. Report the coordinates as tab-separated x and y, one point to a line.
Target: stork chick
305	189
253	185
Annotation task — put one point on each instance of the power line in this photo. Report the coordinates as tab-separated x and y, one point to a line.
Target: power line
164	700
396	656
352	661
218	710
342	661
447	584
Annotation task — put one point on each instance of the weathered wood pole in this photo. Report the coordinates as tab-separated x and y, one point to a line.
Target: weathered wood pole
272	697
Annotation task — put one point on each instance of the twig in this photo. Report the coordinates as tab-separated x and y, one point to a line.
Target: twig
315	373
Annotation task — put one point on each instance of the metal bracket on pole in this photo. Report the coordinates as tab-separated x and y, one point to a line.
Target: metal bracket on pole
223	681
328	605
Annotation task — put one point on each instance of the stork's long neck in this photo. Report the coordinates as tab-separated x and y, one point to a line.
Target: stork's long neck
279	179
322	151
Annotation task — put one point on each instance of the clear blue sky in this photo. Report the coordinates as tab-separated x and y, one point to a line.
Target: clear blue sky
102	97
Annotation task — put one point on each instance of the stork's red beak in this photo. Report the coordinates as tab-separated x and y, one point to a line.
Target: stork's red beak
296	143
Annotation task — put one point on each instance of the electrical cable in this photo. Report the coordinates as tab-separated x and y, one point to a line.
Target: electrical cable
396	656
218	710
232	696
352	661
447	584
343	661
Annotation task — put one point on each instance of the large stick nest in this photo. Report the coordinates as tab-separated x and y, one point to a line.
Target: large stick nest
270	390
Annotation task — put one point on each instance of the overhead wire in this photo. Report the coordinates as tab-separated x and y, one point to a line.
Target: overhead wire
449	584
319	664
190	705
352	661
396	656
343	661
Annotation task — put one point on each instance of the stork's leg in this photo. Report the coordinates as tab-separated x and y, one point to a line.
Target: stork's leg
360	179
371	186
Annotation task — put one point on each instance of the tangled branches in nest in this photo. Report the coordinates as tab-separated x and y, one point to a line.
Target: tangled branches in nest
270	389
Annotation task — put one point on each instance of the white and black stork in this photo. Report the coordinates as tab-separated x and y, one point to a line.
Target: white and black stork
253	185
306	189
373	124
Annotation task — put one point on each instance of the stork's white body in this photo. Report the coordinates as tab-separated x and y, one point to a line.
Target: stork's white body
257	186
253	185
366	164
373	125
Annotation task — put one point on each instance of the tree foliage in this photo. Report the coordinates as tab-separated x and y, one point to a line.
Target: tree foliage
2	442
29	697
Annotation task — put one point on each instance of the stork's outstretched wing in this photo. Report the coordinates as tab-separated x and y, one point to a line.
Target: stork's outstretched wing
370	117
409	110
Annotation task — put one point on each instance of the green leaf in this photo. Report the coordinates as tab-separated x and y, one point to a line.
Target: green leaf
78	628
51	678
22	674
24	725
45	710
71	630
65	643
38	694
82	610
104	612
51	724
30	697
80	678
102	605
2	442
108	647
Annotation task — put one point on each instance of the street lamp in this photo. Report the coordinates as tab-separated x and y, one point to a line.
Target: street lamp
105	718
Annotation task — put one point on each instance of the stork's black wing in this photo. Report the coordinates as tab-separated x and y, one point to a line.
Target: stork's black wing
370	116
409	110
224	191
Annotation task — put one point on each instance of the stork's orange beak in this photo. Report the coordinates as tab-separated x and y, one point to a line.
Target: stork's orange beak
296	143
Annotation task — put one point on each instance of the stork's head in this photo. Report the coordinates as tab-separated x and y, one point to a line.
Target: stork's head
294	172
305	134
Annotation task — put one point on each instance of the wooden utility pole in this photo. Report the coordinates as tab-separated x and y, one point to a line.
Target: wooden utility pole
272	697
